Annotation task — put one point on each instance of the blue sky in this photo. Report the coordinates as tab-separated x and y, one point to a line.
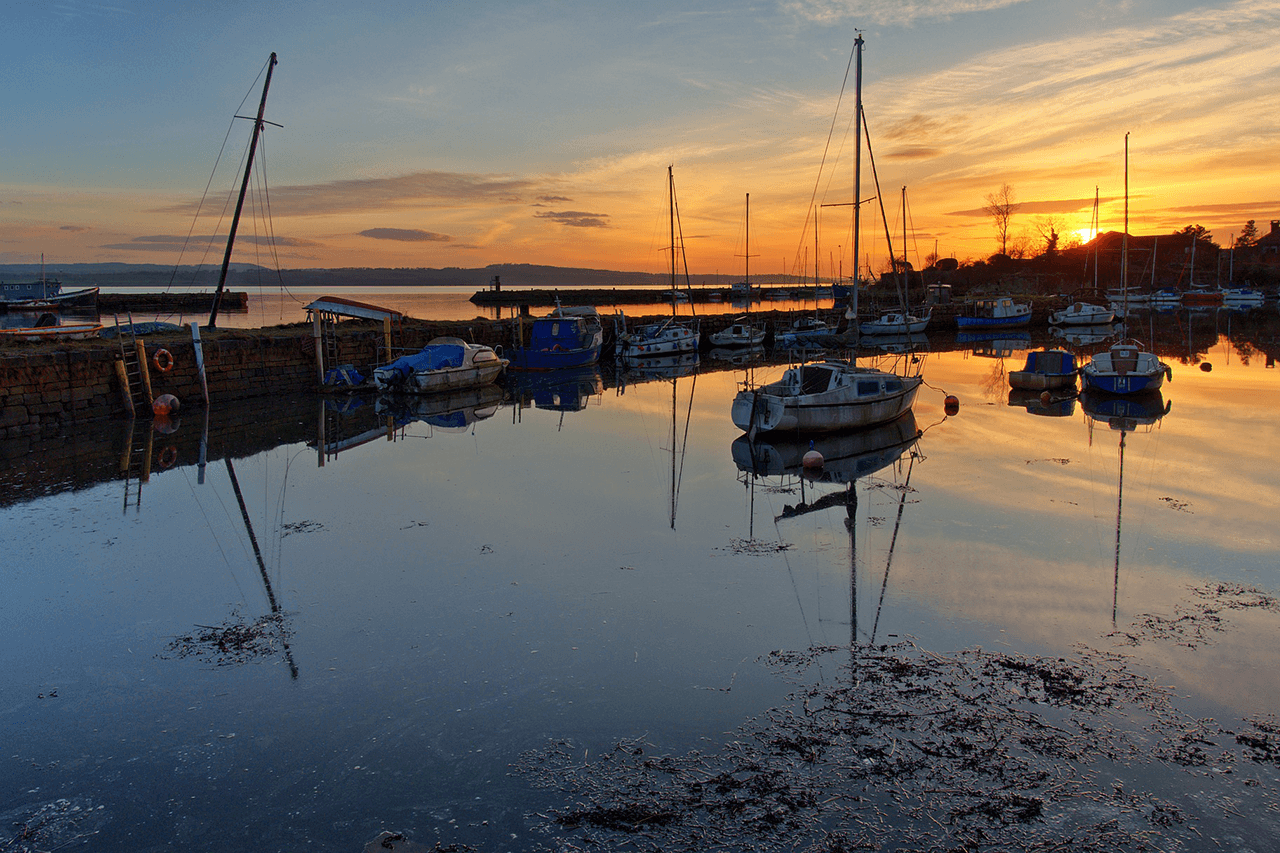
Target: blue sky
463	134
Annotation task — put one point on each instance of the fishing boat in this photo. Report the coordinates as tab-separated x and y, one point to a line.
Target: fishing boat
995	313
830	395
66	332
444	364
1125	368
740	334
1242	297
895	323
670	336
1045	370
1082	314
44	294
566	338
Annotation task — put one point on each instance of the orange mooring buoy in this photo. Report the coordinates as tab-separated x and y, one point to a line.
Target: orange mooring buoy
951	405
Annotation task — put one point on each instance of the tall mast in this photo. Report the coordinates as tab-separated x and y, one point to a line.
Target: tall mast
671	204
244	187
1124	239
857	162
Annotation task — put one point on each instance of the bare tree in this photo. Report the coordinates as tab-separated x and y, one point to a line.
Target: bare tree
1050	229
1000	207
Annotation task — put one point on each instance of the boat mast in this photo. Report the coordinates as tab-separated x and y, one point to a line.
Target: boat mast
1124	239
671	209
244	187
857	163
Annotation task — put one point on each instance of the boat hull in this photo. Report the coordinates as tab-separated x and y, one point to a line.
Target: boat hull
562	359
1124	370
1030	380
70	332
771	408
993	322
455	378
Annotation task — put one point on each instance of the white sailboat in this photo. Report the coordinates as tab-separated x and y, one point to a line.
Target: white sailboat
901	322
669	337
833	394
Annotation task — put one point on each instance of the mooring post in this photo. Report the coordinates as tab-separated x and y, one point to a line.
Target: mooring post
315	335
125	392
199	350
142	368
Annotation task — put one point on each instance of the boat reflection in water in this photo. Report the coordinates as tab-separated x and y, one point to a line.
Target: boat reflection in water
453	411
1049	404
846	455
1131	413
657	367
568	390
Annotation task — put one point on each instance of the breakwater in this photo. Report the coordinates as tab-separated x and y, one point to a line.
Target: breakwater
119	303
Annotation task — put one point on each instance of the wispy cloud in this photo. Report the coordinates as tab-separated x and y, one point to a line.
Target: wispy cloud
890	12
173	242
405	235
576	219
422	189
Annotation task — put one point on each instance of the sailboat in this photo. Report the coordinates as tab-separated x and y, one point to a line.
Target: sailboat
741	333
1125	368
669	337
899	322
833	394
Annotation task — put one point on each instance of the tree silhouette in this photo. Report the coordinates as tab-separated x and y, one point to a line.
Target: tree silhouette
1000	207
1248	235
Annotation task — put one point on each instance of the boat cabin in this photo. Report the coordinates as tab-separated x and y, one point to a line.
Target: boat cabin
820	378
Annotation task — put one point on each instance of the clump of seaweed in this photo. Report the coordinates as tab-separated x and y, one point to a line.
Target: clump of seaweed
907	749
234	642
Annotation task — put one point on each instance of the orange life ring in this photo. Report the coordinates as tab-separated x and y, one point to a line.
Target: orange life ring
169	455
163	360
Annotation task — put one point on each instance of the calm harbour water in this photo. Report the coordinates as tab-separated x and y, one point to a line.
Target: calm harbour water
443	595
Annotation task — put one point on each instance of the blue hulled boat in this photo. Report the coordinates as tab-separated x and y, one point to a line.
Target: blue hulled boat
998	313
1126	368
569	337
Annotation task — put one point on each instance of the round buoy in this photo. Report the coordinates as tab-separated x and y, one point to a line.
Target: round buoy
812	458
951	405
1045	398
1206	366
165	425
165	404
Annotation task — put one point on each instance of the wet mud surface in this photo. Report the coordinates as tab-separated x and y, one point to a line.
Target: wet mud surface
897	747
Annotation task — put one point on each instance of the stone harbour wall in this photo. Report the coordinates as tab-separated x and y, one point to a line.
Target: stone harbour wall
45	387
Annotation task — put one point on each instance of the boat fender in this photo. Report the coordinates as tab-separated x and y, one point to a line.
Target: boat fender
812	458
168	456
951	405
163	360
1168	372
165	404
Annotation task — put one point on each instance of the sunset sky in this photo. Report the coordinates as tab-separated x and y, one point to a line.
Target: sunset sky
465	134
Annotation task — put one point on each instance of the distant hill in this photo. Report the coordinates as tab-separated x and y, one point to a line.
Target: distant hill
240	276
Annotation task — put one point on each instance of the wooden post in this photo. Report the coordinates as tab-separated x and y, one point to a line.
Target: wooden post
142	369
316	336
145	476
123	376
386	334
199	351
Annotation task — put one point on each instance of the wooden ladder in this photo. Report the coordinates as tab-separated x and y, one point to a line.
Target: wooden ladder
131	369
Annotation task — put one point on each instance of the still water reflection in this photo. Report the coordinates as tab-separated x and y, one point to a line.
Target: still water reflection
359	613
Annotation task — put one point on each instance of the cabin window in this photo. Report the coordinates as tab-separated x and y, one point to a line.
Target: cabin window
892	385
868	387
